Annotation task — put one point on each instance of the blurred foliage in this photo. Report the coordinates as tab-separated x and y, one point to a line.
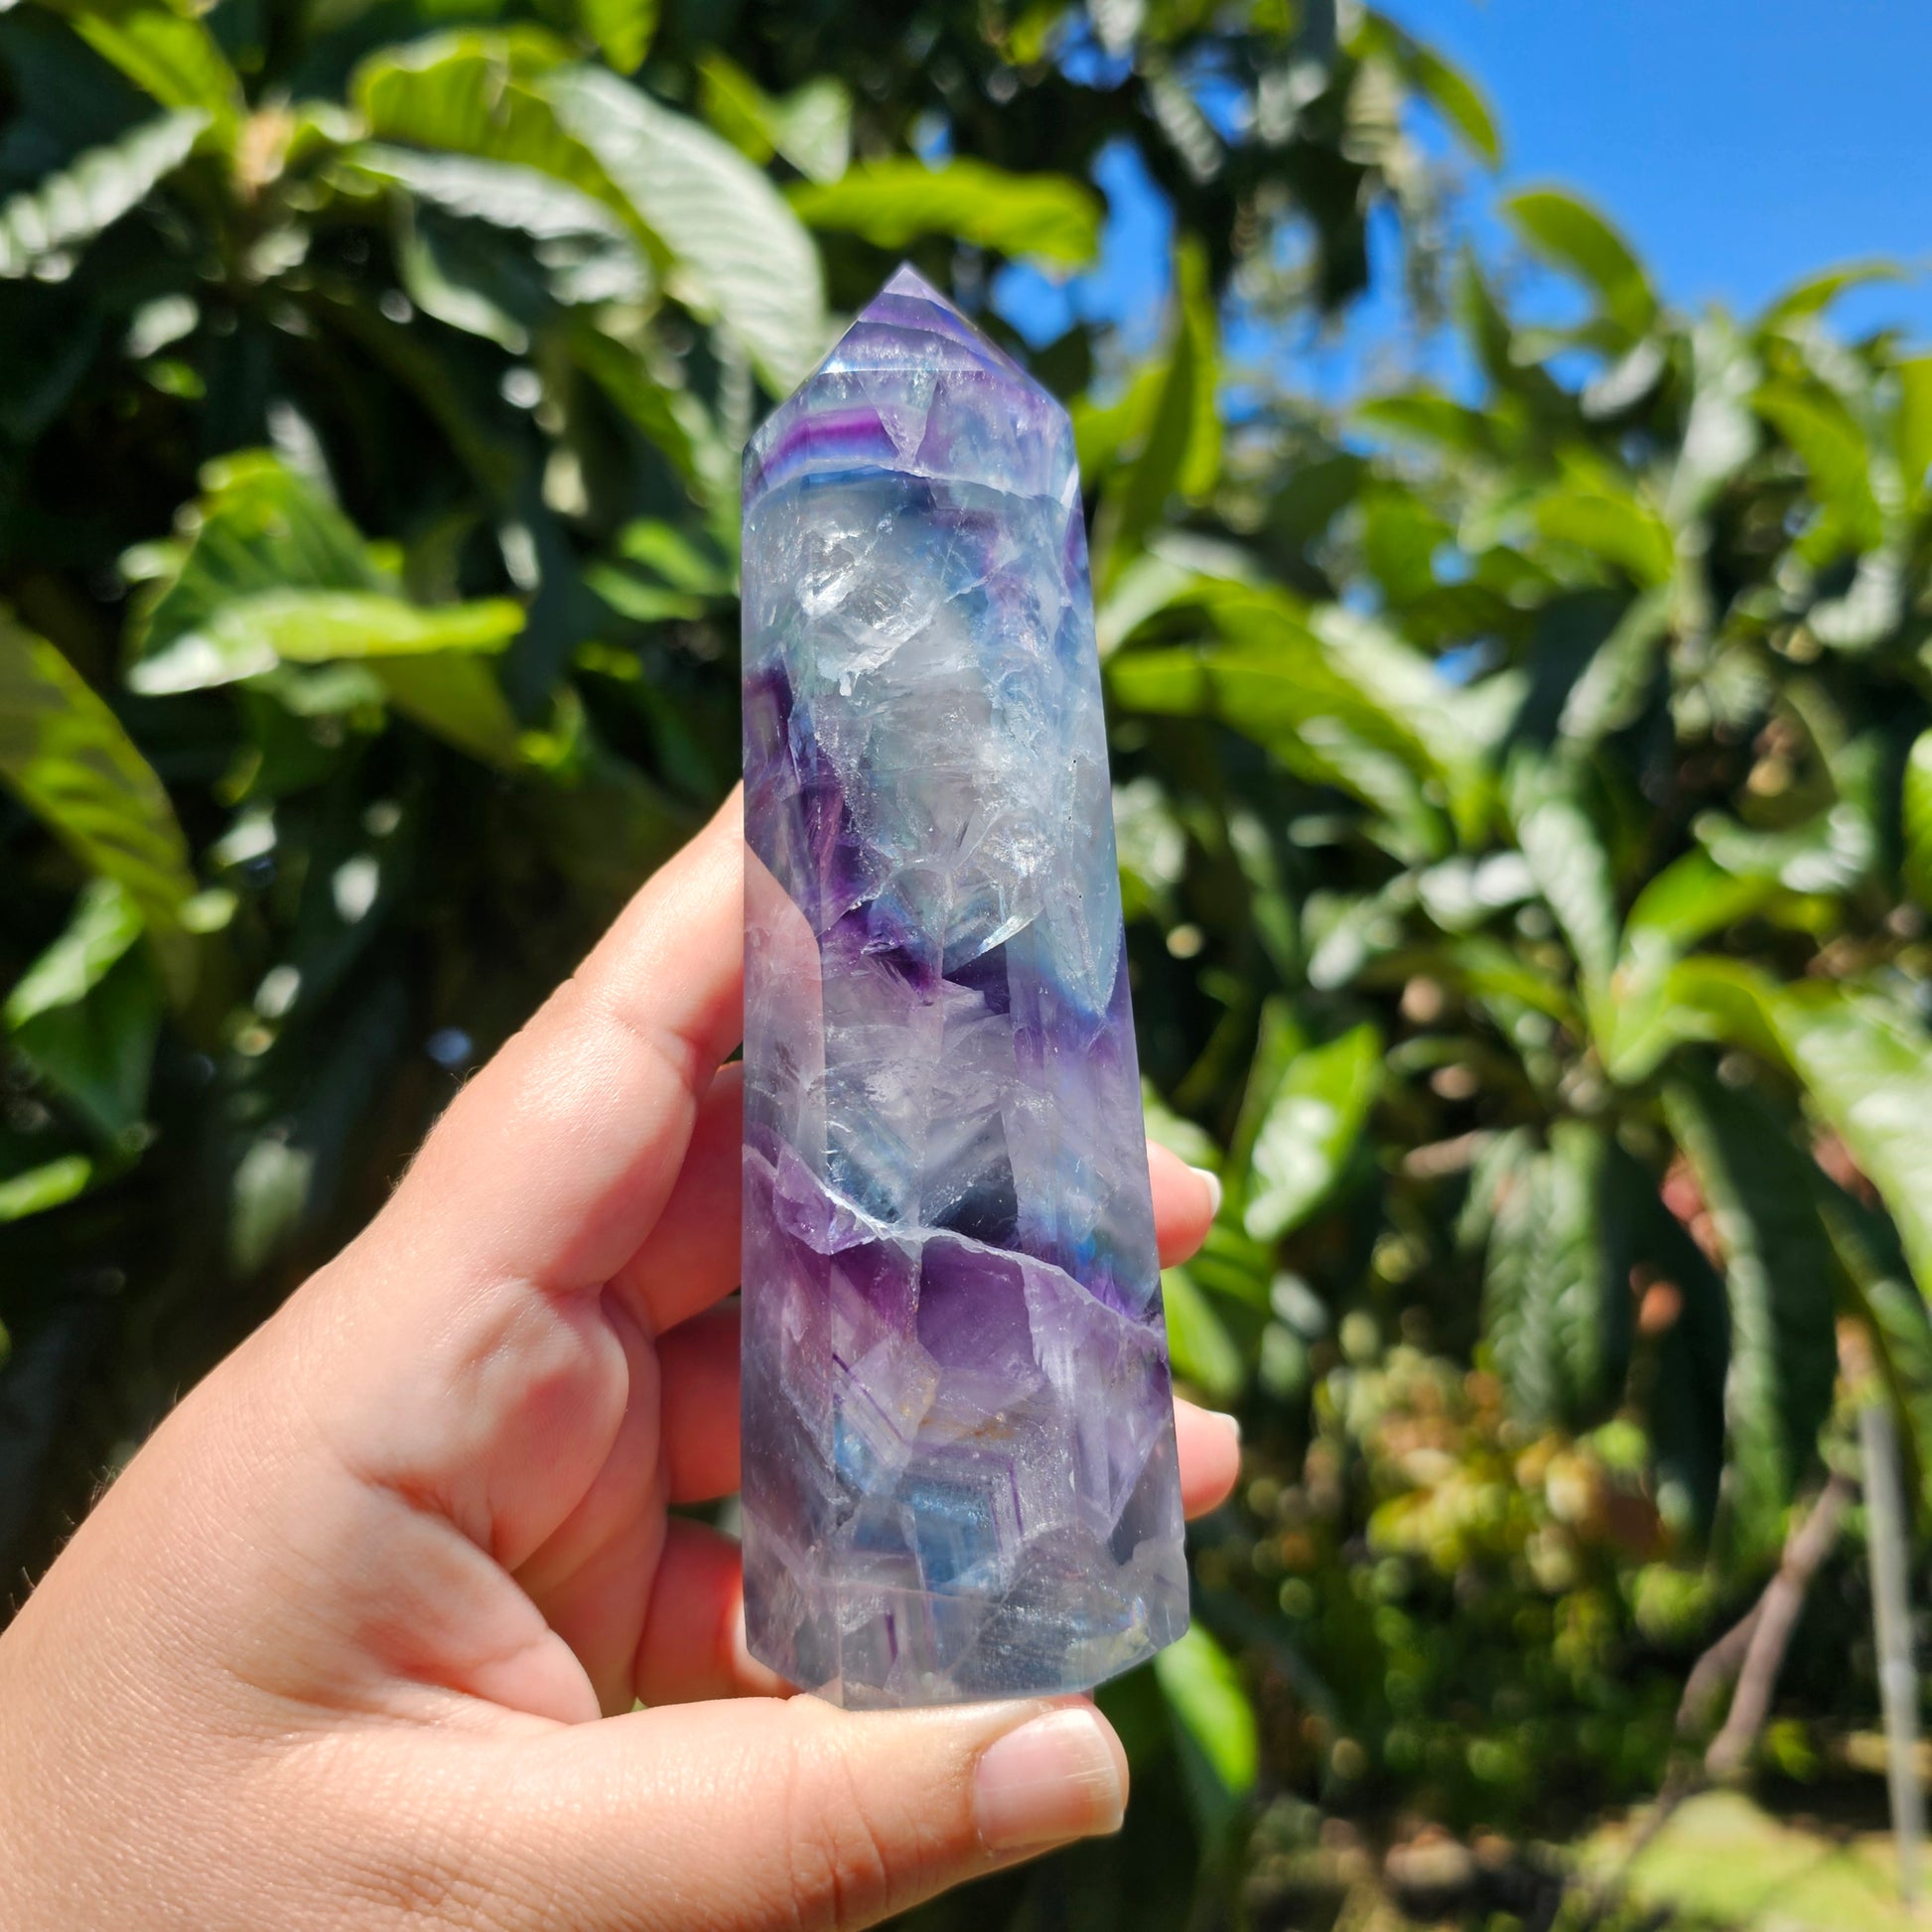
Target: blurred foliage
1524	787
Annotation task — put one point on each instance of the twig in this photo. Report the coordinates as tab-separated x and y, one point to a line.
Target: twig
1776	1616
1752	1651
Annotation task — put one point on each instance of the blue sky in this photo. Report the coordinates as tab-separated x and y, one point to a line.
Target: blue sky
1739	144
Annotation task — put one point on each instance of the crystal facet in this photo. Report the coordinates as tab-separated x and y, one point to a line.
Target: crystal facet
959	1475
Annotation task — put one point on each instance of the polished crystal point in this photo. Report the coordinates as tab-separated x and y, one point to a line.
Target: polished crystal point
959	1475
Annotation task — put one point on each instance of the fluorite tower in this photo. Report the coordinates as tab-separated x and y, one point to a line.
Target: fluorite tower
959	1448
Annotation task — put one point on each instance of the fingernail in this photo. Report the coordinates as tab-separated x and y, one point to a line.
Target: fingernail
1233	1423
1061	1777
1213	1181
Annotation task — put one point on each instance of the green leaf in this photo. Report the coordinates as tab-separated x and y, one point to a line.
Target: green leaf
1691	898
1330	692
472	92
50	1186
1215	1722
86	1014
642	603
582	252
1401	535
105	923
166	51
64	753
1515	1208
1912	430
1916	810
1898	1320
1555	1277
1181	451
1459	102
1446	87
1811	295
1204	1351
273	573
1779	1277
467	278
1867	1068
739	254
454	696
623	28
1827	853
672	420
675	556
250	634
1421	416
1569	232
270	1196
811	128
1613	524
1307	1128
1568	861
895	200
1610	693
1818	425
92	192
1685	1406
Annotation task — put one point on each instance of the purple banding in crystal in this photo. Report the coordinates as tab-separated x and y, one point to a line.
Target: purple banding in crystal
959	1471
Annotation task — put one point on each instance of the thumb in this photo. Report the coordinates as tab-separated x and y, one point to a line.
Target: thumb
767	1812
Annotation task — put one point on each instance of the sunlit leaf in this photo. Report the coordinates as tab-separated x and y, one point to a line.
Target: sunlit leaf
252	633
1307	1128
1215	1722
1611	691
1567	859
1569	232
1204	1351
73	206
1458	99
1778	1276
272	573
623	28
1615	526
1555	1277
86	1014
166	51
1180	449
1917	814
50	1186
475	93
811	128
65	753
1913	429
737	252
1816	424
1689	899
642	602
1867	1068
672	419
1720	434
1811	295
895	200
453	694
582	252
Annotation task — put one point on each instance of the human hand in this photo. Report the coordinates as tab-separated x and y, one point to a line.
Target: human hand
356	1639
